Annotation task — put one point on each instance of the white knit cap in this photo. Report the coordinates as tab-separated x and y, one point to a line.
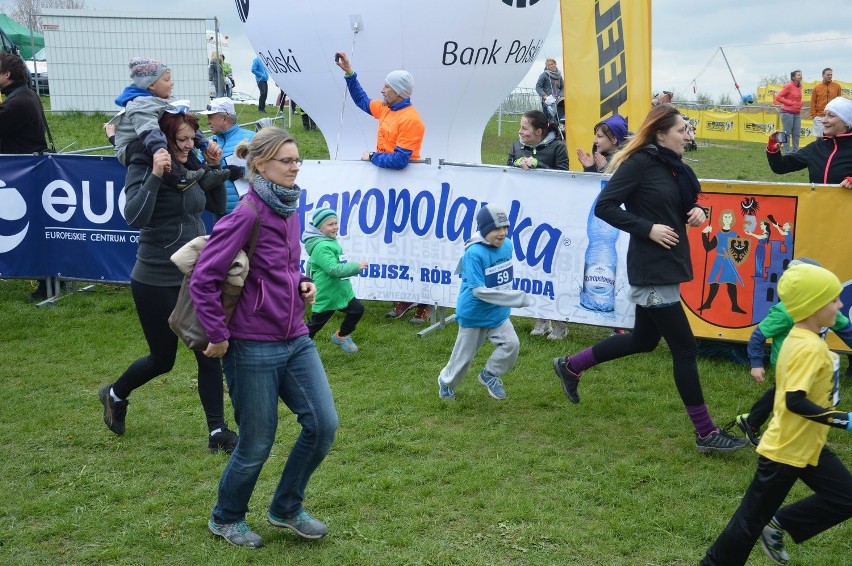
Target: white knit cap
842	107
401	82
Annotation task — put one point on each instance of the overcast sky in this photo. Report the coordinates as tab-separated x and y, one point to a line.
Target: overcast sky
760	38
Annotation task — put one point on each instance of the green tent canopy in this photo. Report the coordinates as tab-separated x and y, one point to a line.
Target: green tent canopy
21	36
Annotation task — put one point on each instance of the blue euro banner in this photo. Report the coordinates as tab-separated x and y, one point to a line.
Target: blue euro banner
62	216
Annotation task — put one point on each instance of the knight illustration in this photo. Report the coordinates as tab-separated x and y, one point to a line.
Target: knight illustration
731	251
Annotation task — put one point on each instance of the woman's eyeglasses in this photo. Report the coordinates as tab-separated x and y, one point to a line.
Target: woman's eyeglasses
289	161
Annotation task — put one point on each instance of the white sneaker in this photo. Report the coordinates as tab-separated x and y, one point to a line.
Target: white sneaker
559	332
541	327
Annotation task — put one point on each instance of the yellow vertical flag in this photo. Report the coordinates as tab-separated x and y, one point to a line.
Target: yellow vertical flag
606	47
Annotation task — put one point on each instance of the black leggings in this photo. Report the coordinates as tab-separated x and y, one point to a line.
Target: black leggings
353	311
154	305
669	323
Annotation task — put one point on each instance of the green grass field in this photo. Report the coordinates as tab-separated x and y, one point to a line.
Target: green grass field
534	480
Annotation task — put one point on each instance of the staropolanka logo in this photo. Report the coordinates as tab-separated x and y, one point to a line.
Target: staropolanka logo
13	210
520	3
242	9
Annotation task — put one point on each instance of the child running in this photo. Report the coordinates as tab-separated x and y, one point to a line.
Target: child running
483	306
776	325
794	445
330	271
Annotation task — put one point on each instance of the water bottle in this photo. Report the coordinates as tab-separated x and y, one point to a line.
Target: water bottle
598	292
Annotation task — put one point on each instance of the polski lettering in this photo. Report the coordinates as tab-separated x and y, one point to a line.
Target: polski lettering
280	63
434	214
517	52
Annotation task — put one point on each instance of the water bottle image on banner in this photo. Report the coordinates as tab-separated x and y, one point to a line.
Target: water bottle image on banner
598	292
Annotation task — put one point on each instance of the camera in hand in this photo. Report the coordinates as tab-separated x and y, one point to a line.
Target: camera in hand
337	57
781	137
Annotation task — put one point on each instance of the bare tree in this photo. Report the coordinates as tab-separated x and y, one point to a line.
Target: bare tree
725	99
28	12
779	79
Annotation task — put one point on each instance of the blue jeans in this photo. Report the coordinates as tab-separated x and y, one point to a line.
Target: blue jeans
792	124
258	373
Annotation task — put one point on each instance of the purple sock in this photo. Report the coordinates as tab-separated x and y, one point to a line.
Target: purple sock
583	360
701	420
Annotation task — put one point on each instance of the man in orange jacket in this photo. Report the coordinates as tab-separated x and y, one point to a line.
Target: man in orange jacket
398	140
822	94
401	129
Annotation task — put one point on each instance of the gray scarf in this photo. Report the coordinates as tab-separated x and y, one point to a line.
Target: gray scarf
281	199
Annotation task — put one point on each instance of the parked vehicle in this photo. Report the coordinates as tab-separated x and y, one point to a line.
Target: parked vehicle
243	98
37	66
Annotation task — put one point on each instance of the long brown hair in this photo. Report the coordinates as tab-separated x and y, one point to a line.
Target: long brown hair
660	119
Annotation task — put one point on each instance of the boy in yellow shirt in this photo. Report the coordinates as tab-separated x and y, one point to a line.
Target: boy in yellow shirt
794	445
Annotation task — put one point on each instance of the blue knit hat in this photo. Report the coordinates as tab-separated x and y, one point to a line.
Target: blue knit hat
491	217
617	125
322	214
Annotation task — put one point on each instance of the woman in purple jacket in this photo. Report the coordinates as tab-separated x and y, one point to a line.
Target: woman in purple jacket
265	349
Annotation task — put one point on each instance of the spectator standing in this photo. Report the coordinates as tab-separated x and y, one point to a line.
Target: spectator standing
790	99
265	349
823	93
22	122
829	158
261	75
222	120
216	76
538	147
659	193
167	218
550	83
398	141
795	445
230	83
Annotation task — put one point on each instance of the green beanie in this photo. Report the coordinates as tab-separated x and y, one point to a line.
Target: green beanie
322	214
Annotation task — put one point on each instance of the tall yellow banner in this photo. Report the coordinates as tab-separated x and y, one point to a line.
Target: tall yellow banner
606	48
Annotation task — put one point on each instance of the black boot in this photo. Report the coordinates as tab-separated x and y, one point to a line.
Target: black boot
714	288
732	293
213	178
190	179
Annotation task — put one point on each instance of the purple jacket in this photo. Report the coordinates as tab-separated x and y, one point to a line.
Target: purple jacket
270	308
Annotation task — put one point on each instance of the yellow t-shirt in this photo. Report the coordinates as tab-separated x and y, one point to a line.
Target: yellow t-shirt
804	364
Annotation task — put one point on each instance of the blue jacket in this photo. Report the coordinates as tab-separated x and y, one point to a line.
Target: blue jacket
259	71
228	141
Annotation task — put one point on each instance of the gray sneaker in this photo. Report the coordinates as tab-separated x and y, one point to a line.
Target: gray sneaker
772	542
238	534
302	523
493	384
444	391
